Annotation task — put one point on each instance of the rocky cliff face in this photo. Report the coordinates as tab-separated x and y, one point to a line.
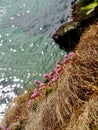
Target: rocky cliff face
68	35
73	104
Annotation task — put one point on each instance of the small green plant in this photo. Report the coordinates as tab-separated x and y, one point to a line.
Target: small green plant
48	91
94	127
17	127
70	26
21	121
90	7
34	106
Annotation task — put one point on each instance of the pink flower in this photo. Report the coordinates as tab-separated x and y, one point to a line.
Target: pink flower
41	85
49	83
0	127
57	77
29	103
58	66
65	56
71	54
59	70
58	62
7	128
50	75
17	117
53	80
55	70
35	94
37	82
65	61
41	89
46	76
35	91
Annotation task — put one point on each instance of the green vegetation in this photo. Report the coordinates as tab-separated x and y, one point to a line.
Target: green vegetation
22	121
48	91
90	7
18	128
93	127
71	26
34	106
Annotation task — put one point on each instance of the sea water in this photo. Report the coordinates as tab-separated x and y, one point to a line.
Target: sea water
27	50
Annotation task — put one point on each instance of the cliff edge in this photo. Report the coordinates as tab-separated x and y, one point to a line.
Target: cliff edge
73	101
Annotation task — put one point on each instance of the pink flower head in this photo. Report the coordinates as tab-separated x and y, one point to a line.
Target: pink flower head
35	91
46	76
37	82
17	117
29	103
71	54
58	66
65	56
49	83
41	85
41	88
50	75
57	77
0	127
65	61
35	94
53	80
55	70
58	62
57	74
59	70
7	128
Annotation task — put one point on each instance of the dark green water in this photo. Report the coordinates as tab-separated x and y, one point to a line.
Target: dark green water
26	48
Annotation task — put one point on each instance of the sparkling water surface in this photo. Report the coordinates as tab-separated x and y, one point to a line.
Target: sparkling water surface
26	48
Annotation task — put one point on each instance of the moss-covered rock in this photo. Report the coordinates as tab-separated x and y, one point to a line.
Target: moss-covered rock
84	12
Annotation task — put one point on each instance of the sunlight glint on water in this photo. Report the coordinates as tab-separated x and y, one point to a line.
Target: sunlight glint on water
26	48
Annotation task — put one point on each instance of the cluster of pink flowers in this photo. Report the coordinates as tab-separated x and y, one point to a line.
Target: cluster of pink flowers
8	129
1	128
51	77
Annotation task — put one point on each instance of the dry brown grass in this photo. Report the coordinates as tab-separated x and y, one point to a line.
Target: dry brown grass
17	107
74	105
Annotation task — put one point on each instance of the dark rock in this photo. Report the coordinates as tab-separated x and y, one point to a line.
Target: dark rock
62	20
68	34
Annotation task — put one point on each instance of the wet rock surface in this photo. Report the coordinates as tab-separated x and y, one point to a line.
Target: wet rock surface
46	19
68	35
